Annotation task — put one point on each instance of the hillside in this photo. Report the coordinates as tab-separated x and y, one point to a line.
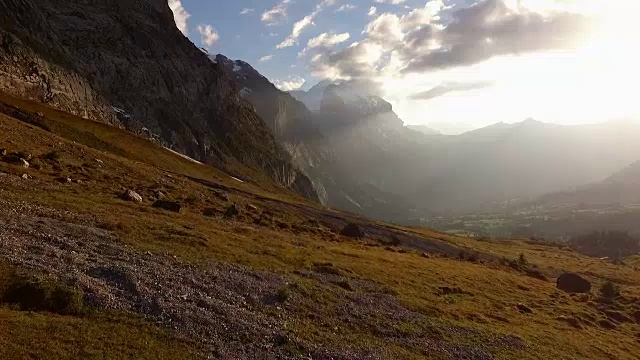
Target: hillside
246	270
621	188
127	64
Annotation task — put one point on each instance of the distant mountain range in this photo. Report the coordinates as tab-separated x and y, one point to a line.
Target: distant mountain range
368	148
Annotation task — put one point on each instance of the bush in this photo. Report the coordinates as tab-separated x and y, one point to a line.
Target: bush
52	156
610	290
283	295
522	260
35	295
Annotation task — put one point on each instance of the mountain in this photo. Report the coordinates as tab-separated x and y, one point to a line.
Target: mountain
312	98
126	63
506	162
312	145
423	129
621	188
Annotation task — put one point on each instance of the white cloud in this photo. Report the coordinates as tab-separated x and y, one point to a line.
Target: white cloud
324	41
372	11
209	35
289	84
276	14
345	7
245	11
266	58
300	25
395	2
180	15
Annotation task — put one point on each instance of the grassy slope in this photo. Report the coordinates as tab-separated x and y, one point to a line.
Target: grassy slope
281	247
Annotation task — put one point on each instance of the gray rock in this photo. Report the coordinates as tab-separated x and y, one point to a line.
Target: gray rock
130	195
573	283
352	231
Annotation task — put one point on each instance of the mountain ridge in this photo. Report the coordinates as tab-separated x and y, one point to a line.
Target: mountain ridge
107	59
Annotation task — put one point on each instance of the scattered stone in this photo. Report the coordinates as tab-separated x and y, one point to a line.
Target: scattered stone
130	195
3	152
99	161
40	114
26	176
17	160
352	231
573	283
425	255
252	207
168	205
232	211
524	308
64	180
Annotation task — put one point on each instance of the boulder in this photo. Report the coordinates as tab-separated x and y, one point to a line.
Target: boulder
352	231
168	205
16	160
573	283
130	195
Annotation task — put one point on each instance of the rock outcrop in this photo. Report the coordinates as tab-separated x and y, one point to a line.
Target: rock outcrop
126	63
573	283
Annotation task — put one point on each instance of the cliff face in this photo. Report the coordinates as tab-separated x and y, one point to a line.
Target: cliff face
101	59
289	120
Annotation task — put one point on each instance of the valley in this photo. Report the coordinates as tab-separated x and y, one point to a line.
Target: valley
161	201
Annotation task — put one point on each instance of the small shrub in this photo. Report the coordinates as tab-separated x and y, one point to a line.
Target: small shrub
28	295
522	260
36	295
66	301
283	295
52	156
610	290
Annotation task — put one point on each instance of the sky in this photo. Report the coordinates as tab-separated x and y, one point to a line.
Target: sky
453	65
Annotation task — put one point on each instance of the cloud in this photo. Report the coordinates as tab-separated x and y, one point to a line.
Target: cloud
276	14
450	87
298	27
266	58
180	15
491	29
345	7
305	22
394	2
324	41
436	37
245	11
290	84
209	35
372	11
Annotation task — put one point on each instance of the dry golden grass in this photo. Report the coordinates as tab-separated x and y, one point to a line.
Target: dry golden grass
493	290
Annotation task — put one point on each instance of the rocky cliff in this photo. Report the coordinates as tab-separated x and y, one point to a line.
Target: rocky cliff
101	59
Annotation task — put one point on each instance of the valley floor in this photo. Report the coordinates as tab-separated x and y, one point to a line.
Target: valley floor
243	272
